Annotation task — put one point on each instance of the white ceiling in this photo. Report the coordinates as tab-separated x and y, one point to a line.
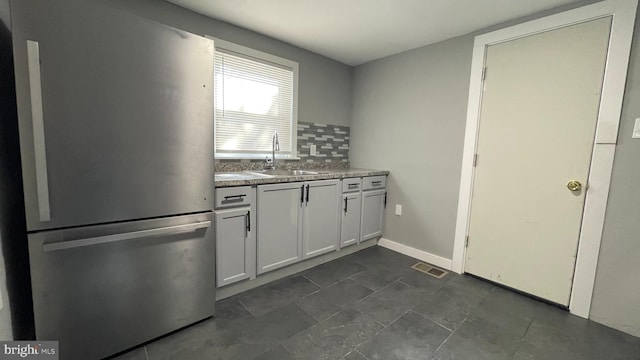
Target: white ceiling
357	31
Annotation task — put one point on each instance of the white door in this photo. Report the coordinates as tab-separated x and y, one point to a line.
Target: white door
537	125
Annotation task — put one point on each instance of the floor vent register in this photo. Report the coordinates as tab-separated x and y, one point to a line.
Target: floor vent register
430	270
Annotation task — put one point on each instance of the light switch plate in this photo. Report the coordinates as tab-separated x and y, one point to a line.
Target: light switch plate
636	129
312	149
398	209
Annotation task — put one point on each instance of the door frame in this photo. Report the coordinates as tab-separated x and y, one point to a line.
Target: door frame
623	13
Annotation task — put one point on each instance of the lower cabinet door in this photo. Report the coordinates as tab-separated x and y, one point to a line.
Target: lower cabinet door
233	234
321	218
279	225
351	211
373	204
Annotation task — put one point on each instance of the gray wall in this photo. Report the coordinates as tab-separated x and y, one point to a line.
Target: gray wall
408	116
324	84
616	298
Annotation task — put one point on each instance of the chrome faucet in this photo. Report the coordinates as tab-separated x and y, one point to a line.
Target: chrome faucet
275	146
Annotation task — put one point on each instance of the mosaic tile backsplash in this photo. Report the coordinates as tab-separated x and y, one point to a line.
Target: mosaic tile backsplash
332	142
332	150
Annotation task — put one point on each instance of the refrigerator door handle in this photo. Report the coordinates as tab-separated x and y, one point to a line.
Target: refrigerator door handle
176	229
37	122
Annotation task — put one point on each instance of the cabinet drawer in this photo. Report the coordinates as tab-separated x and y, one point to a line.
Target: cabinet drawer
233	196
374	182
351	185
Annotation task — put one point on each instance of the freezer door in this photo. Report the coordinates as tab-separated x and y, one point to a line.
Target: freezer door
115	115
100	290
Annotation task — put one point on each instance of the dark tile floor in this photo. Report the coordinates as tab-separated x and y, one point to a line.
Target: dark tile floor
372	305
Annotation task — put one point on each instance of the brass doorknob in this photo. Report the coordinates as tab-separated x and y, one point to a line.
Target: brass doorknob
574	185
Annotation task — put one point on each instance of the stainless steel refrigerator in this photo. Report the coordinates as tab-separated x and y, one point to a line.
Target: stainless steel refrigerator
115	122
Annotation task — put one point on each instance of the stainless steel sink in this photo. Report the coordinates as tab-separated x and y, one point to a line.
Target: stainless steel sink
284	172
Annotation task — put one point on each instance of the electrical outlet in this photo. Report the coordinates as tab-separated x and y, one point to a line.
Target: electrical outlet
312	149
636	129
398	209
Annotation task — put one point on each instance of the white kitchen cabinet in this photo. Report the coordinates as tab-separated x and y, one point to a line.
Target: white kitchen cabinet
320	217
374	202
351	212
233	246
235	235
279	225
296	221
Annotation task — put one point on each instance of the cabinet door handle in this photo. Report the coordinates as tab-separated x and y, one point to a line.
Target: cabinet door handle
301	194
385	199
308	190
248	221
346	203
239	197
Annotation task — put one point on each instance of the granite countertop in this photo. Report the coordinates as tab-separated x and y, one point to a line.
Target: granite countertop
224	179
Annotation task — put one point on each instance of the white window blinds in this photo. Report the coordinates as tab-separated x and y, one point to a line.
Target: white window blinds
253	99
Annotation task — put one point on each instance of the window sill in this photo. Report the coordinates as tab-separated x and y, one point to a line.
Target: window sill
251	157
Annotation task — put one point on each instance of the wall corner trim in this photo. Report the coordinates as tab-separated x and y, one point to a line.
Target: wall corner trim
421	255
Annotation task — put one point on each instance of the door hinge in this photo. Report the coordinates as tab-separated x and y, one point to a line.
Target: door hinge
484	73
475	159
466	241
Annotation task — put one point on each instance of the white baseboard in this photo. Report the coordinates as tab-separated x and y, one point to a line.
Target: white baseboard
427	257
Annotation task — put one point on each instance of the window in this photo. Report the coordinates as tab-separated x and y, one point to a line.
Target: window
255	95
